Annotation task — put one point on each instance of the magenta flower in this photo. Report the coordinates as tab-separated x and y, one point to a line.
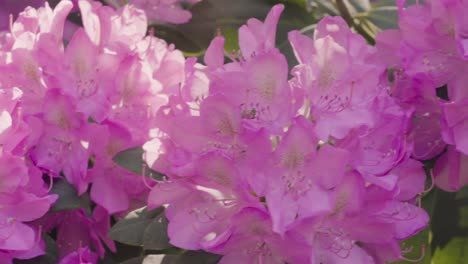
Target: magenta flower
61	107
257	167
161	11
23	198
252	241
450	170
13	7
253	181
455	124
340	95
80	256
76	230
431	48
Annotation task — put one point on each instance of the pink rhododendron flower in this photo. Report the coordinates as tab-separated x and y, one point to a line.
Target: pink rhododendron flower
162	11
75	230
64	106
456	124
257	167
80	256
249	174
450	170
430	45
339	75
23	199
253	241
14	7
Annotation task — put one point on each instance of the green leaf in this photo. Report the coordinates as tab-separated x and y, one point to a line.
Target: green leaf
423	238
416	244
231	37
155	236
444	219
462	193
463	220
323	7
209	17
176	35
197	257
384	17
136	260
192	257
132	160
299	3
131	229
226	16
360	5
393	3
68	198
456	251
380	15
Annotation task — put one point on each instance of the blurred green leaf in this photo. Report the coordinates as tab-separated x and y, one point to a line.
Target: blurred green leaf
225	16
231	37
299	3
379	15
418	244
155	236
444	219
132	160
196	257
182	40
68	198
393	3
462	193
360	5
209	17
322	7
192	257
421	240
384	17
455	252
463	220
136	260
131	229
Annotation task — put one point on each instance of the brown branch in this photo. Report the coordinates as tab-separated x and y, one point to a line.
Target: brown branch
344	12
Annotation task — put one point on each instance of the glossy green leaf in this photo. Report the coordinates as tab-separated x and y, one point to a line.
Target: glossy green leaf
444	219
131	229
192	257
360	5
299	3
132	160
209	17
384	17
455	252
155	236
231	37
322	7
68	198
379	15
419	244
135	260
462	193
225	16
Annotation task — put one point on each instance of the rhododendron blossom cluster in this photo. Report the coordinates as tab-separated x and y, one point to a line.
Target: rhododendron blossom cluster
429	51
315	169
260	163
67	110
161	11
